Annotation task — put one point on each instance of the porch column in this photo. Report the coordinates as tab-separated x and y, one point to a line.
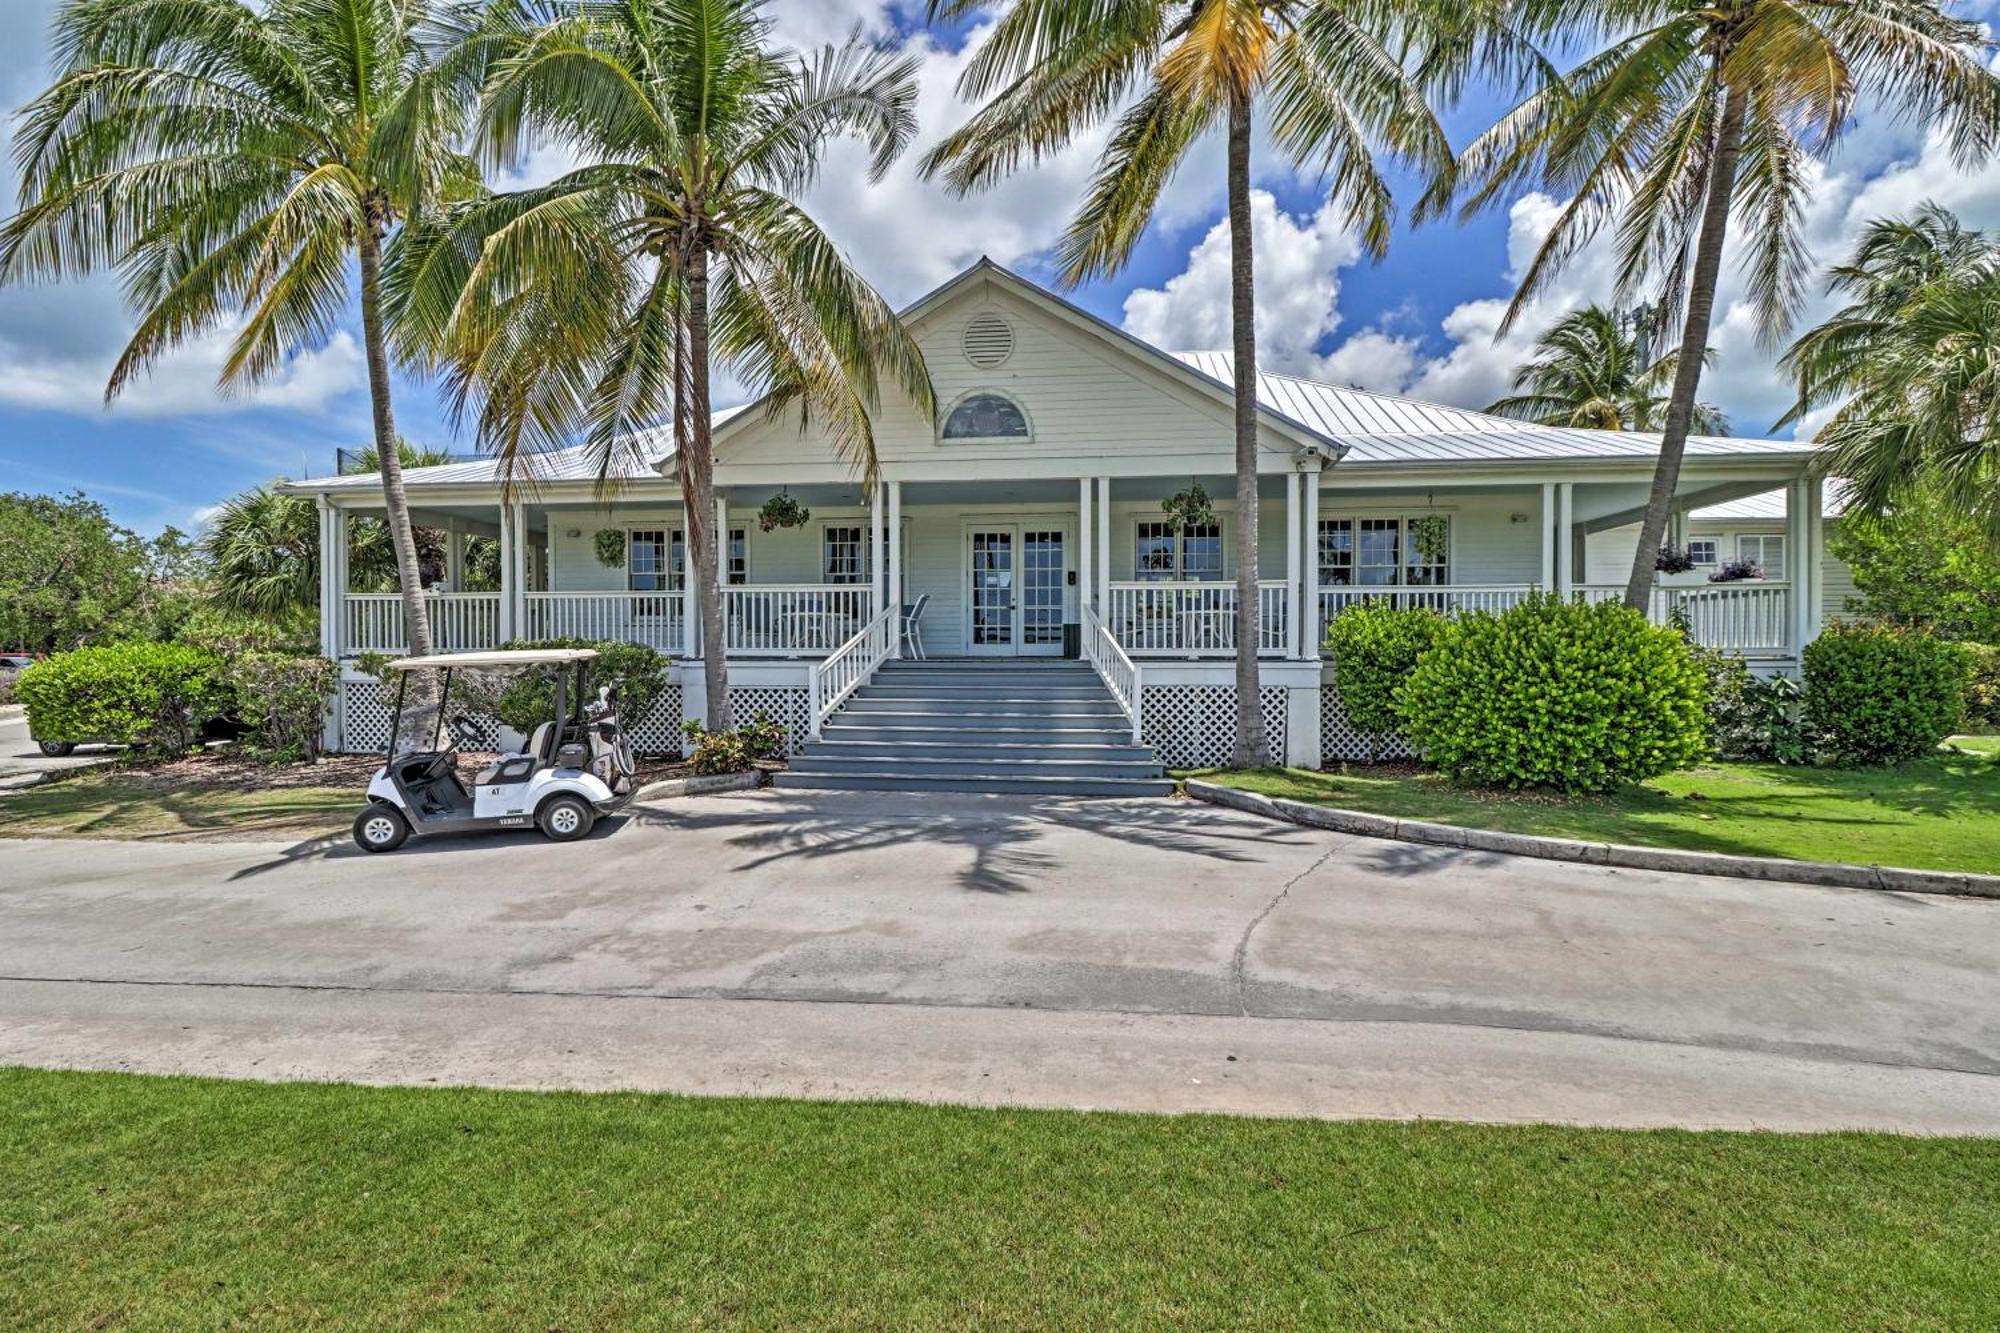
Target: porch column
454	557
516	594
1086	586
690	623
1104	546
1677	529
1315	632
1548	536
1798	548
1565	537
1294	515
1811	574
896	557
878	551
721	540
330	609
508	541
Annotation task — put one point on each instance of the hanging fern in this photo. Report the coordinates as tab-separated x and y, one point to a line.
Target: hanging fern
1190	508
782	511
610	546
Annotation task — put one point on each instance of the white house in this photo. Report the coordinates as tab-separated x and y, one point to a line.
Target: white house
1028	518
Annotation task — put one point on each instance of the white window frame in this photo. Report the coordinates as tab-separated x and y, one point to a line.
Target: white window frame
862	552
669	571
1405	549
1764	542
1178	573
944	421
1714	550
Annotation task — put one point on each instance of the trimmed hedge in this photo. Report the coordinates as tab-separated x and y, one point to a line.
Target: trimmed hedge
1558	694
1879	695
1374	647
151	696
1982	693
282	700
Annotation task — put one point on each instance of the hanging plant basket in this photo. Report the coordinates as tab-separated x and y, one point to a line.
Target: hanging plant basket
1673	560
1431	535
609	543
782	511
1190	508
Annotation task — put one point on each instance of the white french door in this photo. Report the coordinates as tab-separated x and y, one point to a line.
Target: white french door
1015	580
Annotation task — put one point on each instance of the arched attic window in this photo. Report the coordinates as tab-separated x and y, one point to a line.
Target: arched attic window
986	416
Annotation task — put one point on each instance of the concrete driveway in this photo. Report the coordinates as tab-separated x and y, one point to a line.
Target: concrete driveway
23	763
1155	955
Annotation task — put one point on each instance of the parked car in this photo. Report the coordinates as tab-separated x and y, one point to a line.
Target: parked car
13	664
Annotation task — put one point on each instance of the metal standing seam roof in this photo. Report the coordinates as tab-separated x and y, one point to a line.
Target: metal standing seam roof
641	462
1770	505
1389	428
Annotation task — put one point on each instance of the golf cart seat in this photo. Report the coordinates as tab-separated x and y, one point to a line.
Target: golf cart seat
518	767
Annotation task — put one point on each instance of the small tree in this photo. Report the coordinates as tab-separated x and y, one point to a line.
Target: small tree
68	574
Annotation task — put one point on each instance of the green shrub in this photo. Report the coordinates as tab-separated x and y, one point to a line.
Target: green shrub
1751	718
714	752
151	696
1878	695
527	698
1982	691
763	738
1559	694
1374	647
282	699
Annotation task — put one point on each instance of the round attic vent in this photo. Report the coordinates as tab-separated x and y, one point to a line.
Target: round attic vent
989	340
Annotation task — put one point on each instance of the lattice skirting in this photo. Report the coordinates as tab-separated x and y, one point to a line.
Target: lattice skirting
782	704
1340	741
660	733
1194	726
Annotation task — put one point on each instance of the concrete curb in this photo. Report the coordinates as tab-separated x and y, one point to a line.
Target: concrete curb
700	786
9	712
1826	874
23	781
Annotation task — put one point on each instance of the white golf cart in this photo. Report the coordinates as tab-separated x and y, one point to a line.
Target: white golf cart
576	768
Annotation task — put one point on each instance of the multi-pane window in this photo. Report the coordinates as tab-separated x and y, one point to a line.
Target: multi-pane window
737	570
1195	556
845	555
1380	553
1702	550
648	565
1766	552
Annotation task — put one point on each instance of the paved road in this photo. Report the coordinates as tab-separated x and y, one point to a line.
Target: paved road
19	757
1132	954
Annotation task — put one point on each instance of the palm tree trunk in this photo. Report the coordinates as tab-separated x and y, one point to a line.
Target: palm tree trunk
1252	749
416	615
698	494
1694	343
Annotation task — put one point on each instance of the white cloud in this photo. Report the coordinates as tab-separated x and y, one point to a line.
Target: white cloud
183	383
1372	359
1298	263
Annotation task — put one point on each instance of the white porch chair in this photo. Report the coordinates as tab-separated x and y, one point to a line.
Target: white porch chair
913	630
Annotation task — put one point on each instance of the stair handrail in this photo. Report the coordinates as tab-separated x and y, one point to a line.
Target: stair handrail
849	667
1115	667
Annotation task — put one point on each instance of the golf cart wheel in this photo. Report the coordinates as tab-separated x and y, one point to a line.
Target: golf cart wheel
380	828
56	749
565	818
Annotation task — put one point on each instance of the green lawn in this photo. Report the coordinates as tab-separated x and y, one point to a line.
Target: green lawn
171	1203
122	805
1941	813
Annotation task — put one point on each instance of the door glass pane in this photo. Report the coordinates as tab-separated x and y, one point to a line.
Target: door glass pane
992	588
1153	557
646	566
844	556
1378	551
1201	552
1041	587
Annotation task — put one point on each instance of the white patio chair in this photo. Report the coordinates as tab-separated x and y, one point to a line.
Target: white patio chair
913	629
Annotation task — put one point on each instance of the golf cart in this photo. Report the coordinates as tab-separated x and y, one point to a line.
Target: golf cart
577	765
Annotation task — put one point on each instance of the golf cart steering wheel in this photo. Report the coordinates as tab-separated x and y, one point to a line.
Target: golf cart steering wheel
465	734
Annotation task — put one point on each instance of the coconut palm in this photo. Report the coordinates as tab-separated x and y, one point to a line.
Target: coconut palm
231	159
1691	110
1589	370
1328	77
600	303
1911	360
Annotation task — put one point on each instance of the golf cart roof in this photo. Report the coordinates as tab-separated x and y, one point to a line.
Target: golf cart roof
506	657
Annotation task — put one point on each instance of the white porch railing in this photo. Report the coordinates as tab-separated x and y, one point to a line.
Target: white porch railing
1194	619
1746	617
651	618
849	666
372	622
806	619
1115	668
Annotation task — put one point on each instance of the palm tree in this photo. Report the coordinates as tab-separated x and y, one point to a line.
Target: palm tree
597	303
263	553
1693	109
1589	370
230	159
1336	92
1912	355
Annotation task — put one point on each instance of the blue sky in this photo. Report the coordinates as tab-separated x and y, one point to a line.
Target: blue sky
1421	321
